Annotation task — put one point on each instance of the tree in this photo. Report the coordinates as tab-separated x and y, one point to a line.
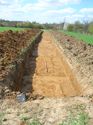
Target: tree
86	25
78	27
70	27
90	28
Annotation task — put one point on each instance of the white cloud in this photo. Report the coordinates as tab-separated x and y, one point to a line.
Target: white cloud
69	1
3	3
61	11
86	10
39	5
46	4
43	10
59	2
80	17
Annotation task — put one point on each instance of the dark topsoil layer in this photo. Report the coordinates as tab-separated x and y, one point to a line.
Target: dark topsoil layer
11	45
80	55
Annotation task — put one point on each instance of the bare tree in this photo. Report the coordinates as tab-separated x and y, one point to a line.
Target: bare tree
86	25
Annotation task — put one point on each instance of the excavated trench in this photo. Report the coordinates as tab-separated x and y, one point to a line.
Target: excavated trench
47	72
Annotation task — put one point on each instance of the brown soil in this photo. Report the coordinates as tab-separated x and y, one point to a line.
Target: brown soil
52	76
80	57
47	70
11	44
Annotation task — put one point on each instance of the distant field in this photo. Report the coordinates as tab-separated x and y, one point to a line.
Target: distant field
10	28
84	37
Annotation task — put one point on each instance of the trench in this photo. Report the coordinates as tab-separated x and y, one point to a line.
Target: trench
47	72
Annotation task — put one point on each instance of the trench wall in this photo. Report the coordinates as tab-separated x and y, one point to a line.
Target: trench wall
13	80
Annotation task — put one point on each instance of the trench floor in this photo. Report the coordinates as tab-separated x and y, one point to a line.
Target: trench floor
48	71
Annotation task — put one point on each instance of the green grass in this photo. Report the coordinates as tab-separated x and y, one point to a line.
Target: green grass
26	119
10	28
80	119
34	123
80	36
1	117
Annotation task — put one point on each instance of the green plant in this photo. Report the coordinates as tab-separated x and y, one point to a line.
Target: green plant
34	122
80	119
70	27
90	28
2	29
80	36
1	117
24	118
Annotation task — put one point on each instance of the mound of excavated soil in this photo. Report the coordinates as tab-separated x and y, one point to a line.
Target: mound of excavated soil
80	55
11	44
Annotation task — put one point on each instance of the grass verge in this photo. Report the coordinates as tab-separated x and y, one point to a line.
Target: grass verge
2	29
80	36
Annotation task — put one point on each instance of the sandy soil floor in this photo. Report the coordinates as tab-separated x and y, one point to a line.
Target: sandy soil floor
52	75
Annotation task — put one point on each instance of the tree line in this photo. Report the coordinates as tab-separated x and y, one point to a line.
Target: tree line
85	27
26	24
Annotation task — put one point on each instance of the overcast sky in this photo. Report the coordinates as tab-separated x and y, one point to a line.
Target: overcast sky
46	10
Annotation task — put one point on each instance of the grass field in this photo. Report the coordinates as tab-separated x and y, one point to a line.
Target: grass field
10	28
84	37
